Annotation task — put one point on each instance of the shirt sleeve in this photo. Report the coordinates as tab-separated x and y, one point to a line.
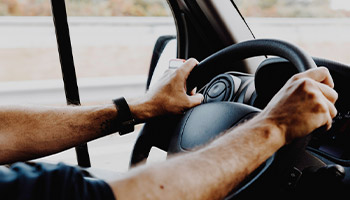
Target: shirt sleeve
47	181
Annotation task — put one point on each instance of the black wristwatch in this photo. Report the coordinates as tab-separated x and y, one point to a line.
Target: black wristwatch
125	120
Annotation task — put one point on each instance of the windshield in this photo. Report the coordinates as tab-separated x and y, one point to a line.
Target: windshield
321	27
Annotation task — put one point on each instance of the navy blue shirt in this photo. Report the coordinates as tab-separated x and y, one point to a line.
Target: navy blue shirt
47	181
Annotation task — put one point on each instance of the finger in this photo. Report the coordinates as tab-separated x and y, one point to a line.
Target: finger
328	92
320	74
188	66
332	109
325	111
195	100
329	122
169	71
194	91
331	112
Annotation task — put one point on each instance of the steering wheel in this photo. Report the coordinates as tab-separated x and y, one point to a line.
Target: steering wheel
201	124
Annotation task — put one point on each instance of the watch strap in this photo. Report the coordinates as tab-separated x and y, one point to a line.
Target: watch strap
125	120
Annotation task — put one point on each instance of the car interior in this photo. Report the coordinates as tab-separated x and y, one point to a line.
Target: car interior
238	75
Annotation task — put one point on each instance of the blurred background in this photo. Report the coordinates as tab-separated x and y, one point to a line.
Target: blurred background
112	43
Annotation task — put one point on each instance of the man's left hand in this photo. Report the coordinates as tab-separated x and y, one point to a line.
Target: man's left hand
168	96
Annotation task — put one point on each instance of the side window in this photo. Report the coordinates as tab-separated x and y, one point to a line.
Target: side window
29	66
112	43
319	27
112	52
30	72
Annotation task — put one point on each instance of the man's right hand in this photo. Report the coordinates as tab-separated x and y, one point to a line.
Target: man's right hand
306	102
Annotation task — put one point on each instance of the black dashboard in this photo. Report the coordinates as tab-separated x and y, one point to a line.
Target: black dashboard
334	144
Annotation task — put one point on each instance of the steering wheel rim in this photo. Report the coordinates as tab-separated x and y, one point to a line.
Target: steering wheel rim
204	72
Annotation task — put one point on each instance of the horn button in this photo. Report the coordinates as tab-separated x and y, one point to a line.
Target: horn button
217	92
221	88
217	89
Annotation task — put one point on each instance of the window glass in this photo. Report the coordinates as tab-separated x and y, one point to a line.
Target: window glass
29	63
112	42
30	70
321	27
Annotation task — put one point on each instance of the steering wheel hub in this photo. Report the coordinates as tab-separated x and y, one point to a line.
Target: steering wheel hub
222	88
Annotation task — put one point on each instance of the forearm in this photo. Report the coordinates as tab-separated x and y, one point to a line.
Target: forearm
31	132
209	173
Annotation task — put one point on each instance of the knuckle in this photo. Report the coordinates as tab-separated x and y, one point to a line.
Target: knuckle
295	77
188	102
179	72
323	70
311	96
192	61
319	108
306	84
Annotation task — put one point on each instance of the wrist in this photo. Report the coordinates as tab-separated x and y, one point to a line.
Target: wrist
125	120
141	109
271	128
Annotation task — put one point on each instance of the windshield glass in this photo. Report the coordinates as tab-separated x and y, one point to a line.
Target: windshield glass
321	27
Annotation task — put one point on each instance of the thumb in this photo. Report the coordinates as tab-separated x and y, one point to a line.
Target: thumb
196	99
